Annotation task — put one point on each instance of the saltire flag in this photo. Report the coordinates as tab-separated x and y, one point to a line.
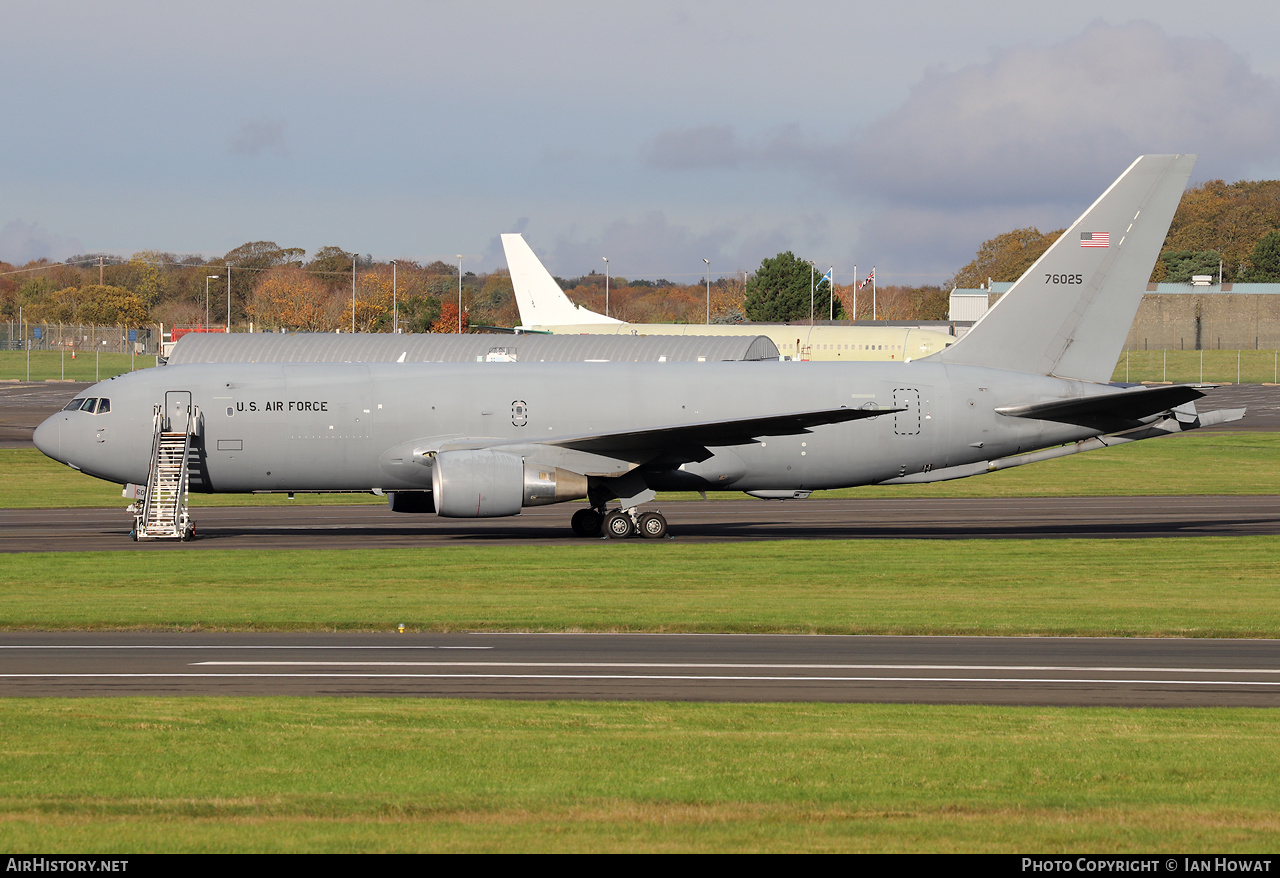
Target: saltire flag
826	277
1095	239
869	278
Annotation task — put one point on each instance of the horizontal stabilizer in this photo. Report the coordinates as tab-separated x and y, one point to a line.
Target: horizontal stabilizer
1221	416
1108	411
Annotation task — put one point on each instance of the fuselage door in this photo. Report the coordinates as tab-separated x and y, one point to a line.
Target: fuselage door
906	422
177	410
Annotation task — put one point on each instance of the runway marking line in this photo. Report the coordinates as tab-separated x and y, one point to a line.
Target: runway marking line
656	677
207	646
835	667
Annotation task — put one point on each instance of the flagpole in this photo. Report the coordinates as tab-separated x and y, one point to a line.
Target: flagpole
811	293
873	293
831	293
855	294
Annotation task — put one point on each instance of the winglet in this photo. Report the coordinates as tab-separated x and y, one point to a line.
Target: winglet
538	296
1070	313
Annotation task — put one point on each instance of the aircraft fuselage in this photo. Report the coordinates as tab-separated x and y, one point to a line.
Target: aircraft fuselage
359	427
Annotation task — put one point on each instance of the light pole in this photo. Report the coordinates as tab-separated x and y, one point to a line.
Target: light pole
606	285
206	299
353	293
459	294
228	298
393	298
708	261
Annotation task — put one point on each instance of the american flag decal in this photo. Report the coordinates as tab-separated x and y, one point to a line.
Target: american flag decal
1095	239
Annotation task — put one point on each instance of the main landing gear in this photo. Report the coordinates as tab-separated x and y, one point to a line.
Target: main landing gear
618	524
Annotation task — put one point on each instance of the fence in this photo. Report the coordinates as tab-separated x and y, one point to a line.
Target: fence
78	337
1193	367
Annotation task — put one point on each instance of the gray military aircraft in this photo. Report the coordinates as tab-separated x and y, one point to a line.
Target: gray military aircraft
470	440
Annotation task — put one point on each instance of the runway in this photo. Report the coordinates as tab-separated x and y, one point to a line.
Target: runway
743	668
714	521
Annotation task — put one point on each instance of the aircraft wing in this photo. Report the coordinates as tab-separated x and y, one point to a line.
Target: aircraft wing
1108	411
738	431
617	452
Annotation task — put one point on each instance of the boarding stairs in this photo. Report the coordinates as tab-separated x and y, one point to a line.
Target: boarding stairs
162	512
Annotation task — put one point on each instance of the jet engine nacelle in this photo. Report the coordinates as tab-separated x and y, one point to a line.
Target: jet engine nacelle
486	483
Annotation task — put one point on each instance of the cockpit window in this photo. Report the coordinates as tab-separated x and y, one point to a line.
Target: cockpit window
93	405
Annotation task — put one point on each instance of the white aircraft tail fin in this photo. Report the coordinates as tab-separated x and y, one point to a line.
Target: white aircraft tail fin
1069	314
539	297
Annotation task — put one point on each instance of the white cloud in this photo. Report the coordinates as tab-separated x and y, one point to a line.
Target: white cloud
1029	137
1038	124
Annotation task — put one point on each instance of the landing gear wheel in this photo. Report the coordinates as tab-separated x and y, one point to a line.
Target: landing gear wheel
586	523
653	526
617	525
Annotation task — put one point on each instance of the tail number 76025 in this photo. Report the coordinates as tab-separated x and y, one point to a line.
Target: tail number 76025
1064	278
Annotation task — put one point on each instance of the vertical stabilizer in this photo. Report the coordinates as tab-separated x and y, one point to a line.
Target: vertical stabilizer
1069	314
538	296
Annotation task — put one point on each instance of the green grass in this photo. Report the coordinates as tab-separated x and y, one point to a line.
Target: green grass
1192	367
54	365
1196	463
134	775
1220	587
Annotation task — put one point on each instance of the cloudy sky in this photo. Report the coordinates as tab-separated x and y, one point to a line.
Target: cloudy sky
655	133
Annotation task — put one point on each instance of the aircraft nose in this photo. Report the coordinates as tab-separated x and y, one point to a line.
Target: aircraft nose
48	437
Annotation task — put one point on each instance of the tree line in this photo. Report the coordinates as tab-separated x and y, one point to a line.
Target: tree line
1232	227
271	286
1235	225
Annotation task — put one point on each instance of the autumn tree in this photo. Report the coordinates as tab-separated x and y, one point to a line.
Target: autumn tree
448	319
1228	218
144	278
248	262
332	263
373	300
105	305
495	304
930	303
64	305
290	298
1005	257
